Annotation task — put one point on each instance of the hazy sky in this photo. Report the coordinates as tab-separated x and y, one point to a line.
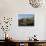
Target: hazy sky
25	16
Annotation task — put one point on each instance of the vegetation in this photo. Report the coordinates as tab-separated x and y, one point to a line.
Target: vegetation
25	22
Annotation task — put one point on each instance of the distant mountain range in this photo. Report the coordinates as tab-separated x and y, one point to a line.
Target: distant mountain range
26	22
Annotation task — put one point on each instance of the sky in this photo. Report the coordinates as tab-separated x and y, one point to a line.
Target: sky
20	16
